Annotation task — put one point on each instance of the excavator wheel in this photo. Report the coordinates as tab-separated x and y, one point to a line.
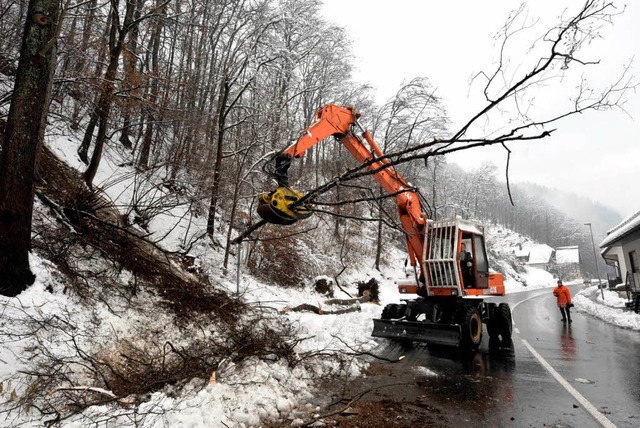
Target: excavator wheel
471	328
399	311
500	325
505	324
391	311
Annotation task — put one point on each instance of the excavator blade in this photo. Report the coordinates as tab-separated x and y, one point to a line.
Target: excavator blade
438	334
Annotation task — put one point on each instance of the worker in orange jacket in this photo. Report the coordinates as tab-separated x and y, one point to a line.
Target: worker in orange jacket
563	295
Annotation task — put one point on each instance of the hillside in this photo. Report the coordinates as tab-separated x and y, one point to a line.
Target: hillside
163	122
504	246
114	338
582	209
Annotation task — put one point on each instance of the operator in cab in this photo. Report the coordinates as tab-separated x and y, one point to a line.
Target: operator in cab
466	266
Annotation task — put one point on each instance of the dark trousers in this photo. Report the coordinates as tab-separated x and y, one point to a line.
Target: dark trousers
566	313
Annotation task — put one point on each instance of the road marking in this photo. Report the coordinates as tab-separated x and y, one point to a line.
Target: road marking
585	403
570	389
528	298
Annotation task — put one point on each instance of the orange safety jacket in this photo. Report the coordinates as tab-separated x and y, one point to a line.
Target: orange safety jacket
563	295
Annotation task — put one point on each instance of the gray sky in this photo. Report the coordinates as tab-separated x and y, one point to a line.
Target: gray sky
596	154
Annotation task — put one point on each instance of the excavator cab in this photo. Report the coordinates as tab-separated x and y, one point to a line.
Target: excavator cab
473	263
455	261
455	278
479	269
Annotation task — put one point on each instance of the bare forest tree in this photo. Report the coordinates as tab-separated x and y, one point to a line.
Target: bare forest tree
414	114
102	110
506	90
22	139
207	91
235	77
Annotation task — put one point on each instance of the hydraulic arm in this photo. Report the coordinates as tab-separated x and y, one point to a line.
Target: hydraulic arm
282	206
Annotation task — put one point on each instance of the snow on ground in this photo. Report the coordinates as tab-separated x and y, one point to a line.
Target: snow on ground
534	278
611	309
259	389
243	394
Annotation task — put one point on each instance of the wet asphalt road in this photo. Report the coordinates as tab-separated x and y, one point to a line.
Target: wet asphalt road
508	386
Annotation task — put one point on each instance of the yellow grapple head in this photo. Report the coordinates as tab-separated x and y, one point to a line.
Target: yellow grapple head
280	206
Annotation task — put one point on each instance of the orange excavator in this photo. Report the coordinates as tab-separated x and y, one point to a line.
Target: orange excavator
444	297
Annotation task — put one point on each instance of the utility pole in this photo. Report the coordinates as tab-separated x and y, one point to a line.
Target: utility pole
238	267
596	260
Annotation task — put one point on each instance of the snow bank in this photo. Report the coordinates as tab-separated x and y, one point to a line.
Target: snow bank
611	309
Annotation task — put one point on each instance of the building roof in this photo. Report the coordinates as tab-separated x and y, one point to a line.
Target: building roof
627	226
540	253
567	255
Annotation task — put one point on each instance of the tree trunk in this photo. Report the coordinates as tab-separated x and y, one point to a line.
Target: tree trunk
238	180
96	156
83	150
103	109
379	236
79	98
22	139
152	108
232	218
130	80
147	139
217	167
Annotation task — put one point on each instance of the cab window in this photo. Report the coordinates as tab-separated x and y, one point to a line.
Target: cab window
480	254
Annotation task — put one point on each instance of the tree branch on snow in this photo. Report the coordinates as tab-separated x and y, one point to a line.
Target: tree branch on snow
84	388
355	352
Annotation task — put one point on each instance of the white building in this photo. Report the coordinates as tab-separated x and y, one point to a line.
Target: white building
536	255
621	249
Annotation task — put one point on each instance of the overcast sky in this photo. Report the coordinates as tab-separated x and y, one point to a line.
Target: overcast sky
596	154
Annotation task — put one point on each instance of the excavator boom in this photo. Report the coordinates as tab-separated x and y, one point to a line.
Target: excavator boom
282	206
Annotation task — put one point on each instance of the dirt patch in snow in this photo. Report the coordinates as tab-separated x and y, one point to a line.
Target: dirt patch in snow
387	396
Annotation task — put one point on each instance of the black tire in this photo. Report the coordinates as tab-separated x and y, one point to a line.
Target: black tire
471	328
492	329
387	312
500	326
400	311
505	328
393	311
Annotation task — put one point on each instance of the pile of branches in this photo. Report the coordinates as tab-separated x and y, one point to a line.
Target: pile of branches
91	218
72	366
